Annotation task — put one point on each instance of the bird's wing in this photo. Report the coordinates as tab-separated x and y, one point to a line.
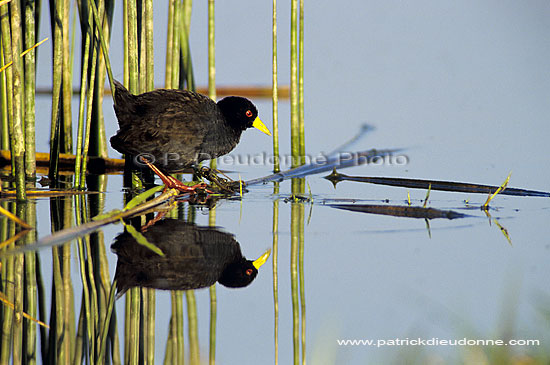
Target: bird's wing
167	118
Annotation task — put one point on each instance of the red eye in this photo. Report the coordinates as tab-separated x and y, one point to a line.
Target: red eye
248	113
249	272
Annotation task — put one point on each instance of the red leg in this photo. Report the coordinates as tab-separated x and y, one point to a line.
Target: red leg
172	182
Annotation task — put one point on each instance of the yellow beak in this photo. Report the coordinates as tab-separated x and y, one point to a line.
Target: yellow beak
262	259
259	125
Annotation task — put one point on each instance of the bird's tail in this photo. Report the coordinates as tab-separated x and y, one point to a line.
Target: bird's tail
124	103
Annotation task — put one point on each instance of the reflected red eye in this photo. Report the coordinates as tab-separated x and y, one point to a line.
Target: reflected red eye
249	272
248	113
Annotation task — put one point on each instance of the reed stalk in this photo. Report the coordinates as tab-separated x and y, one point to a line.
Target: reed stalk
30	289
68	299
192	326
67	80
301	249
177	314
212	59
301	129
213	303
169	44
58	312
4	135
133	58
86	37
150	321
79	341
8	315
275	92
149	41
213	321
11	42
186	65
275	261
294	115
211	51
30	86
17	329
176	44
294	244
134	333
98	139
89	106
56	8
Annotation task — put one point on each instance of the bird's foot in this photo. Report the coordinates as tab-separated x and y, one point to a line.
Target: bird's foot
226	185
172	183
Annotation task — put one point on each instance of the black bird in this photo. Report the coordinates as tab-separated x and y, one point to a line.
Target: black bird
194	257
176	129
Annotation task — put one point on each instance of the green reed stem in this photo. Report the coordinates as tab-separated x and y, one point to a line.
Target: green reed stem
79	341
58	310
98	140
133	340
275	260
11	39
301	128
186	62
89	314
213	304
213	321
301	249
106	324
18	288
8	315
30	289
17	329
177	314
176	43
89	106
55	133
187	7
211	51
42	310
275	92
294	116
68	315
212	59
30	85
127	325
132	50
169	44
8	77
150	320
142	50
4	132
294	238
192	326
126	71
149	41
86	36
67	80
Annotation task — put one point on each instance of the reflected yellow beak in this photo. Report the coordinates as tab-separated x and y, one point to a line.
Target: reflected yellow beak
262	259
259	125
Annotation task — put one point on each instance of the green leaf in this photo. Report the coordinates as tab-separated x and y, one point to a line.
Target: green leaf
142	240
142	197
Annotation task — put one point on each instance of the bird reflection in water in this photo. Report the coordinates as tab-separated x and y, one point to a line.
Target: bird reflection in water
194	257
